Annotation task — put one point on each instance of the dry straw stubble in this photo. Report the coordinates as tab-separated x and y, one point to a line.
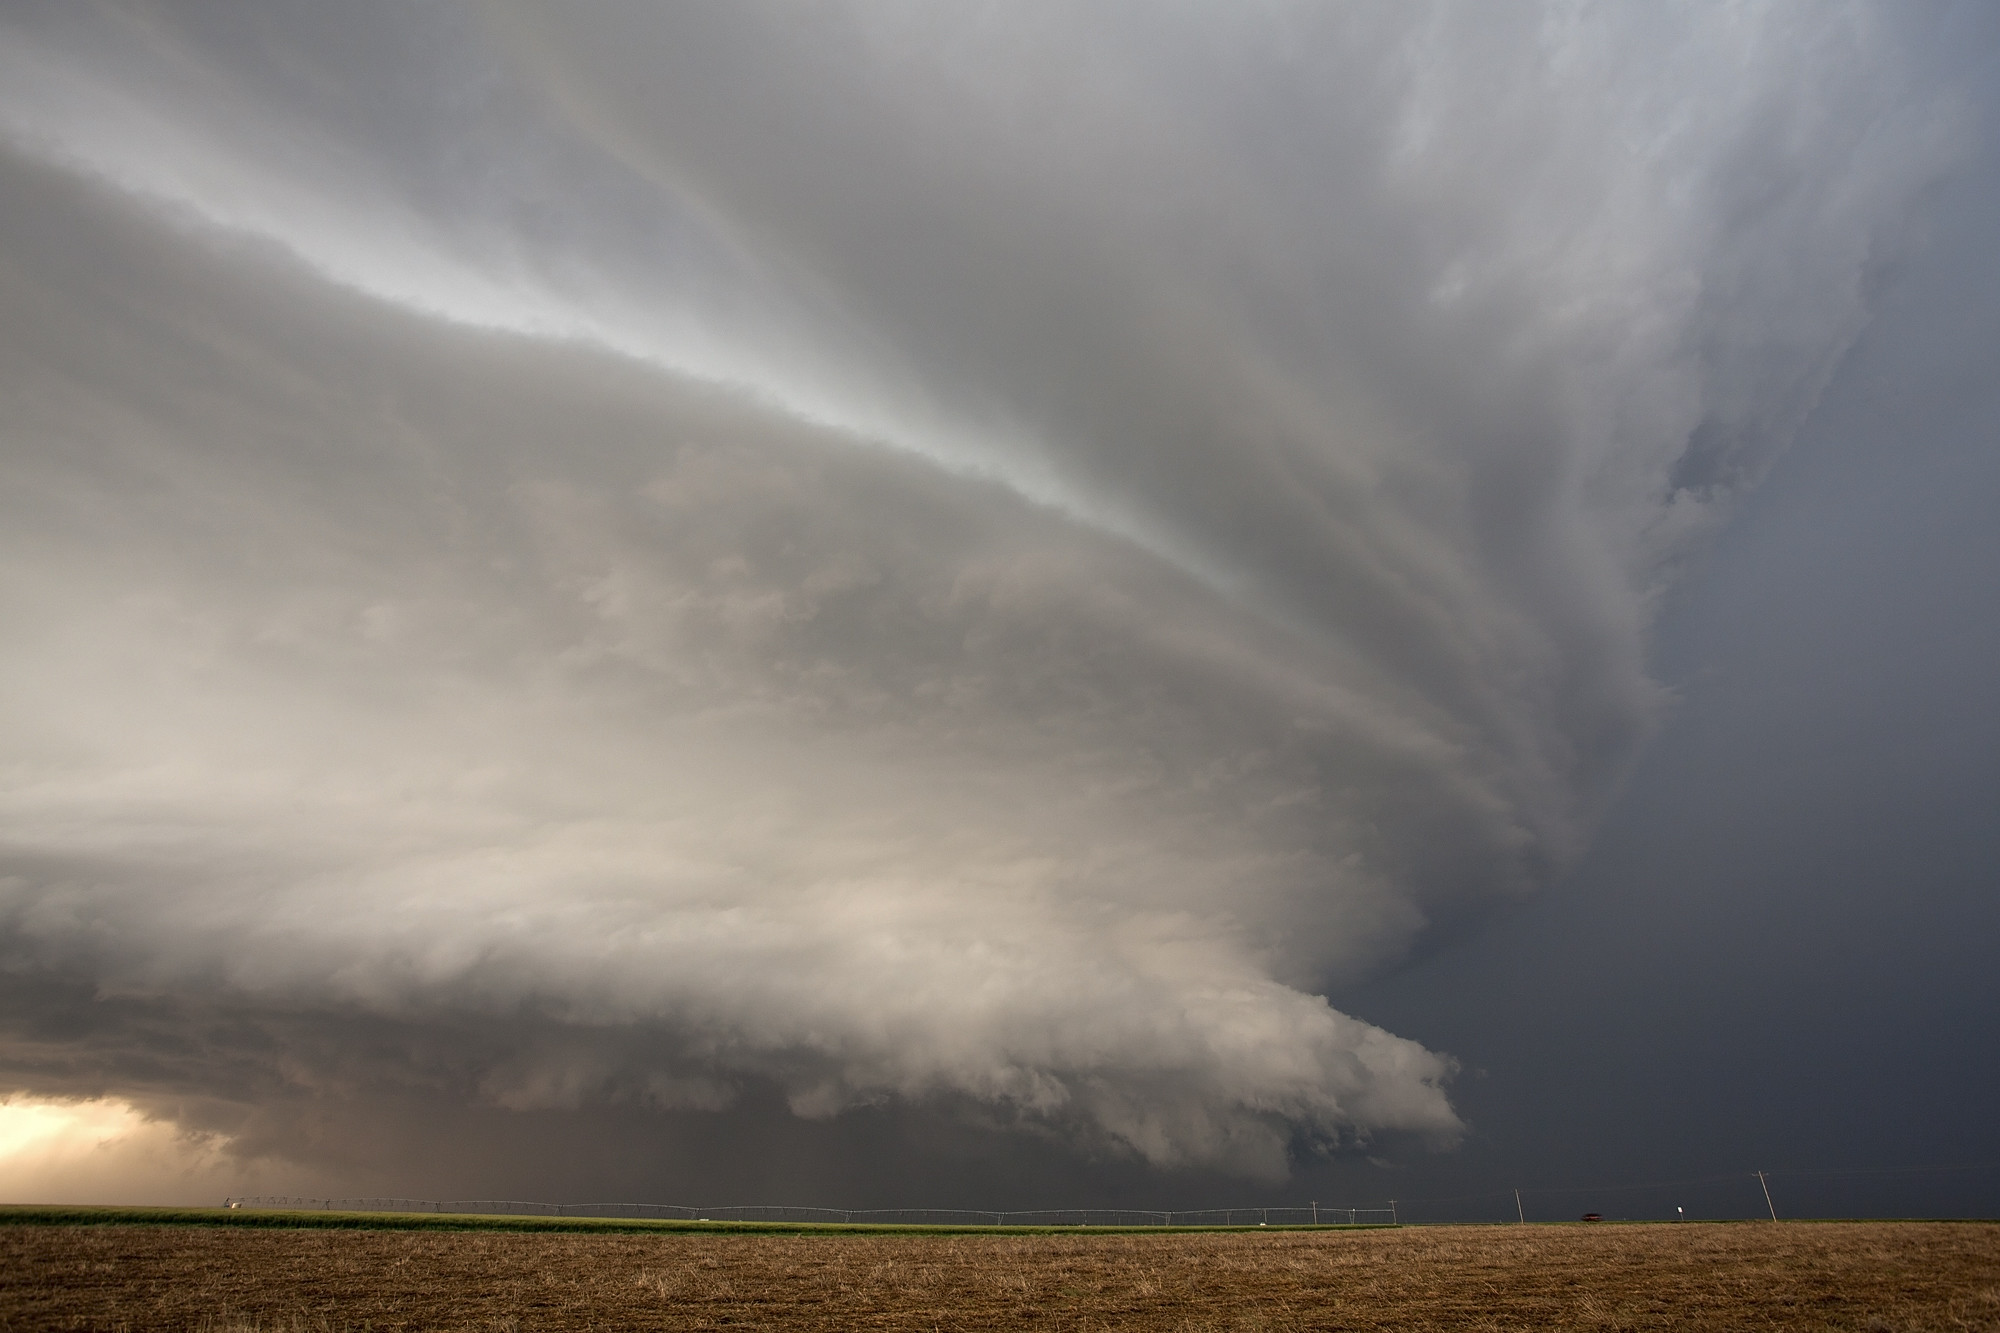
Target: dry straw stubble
1860	1276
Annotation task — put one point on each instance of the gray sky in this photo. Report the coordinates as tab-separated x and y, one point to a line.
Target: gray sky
897	604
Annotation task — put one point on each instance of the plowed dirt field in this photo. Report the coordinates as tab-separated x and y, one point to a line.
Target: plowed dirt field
1862	1276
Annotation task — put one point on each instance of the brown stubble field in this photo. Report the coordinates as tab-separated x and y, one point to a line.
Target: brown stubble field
1864	1276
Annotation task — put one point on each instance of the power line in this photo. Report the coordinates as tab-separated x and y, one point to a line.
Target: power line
1307	1214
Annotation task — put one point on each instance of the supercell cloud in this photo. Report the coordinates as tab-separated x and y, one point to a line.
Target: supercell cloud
906	555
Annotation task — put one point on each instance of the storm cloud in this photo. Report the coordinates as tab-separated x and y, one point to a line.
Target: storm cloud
897	555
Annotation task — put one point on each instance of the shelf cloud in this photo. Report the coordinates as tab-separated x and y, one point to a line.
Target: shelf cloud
903	555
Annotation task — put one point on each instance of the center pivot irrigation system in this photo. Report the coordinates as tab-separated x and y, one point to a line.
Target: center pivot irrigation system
1289	1215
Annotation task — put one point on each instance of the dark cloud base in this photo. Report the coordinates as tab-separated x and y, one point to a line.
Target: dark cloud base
363	1105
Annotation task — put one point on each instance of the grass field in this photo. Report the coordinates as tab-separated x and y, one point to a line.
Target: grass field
314	1219
1842	1275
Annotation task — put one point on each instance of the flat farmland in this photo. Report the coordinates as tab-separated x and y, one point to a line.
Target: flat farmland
1859	1275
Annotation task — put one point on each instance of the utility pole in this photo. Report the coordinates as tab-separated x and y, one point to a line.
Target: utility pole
1767	1196
1518	1210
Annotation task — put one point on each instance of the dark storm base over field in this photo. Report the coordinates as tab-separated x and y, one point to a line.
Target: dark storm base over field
1002	607
1859	1275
